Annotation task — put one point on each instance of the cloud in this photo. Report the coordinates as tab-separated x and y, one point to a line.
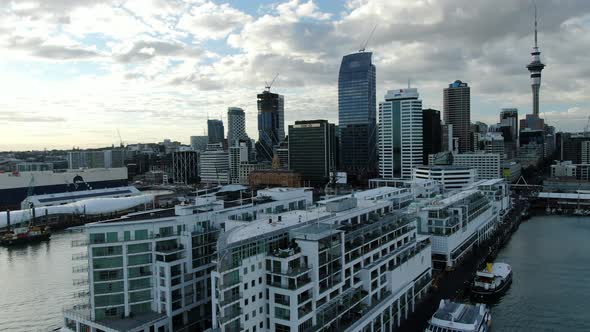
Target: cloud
183	59
63	52
211	21
13	117
144	50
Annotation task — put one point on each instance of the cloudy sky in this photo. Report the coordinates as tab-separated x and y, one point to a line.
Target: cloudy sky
75	71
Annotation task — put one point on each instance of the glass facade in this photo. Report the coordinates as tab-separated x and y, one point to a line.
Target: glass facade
270	124
357	112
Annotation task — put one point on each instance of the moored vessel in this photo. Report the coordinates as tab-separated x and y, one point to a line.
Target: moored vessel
454	316
492	281
24	235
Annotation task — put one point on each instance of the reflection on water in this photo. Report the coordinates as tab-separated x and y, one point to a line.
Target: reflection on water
36	283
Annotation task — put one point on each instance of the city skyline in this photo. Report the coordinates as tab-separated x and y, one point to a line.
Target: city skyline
87	69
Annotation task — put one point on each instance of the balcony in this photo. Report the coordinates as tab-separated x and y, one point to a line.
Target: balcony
230	314
292	285
230	282
80	269
231	298
292	272
80	256
285	253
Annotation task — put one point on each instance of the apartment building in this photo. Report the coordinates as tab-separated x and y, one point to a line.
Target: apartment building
348	263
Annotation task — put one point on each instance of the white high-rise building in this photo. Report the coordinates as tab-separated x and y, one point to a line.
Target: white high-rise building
237	154
236	126
214	166
400	133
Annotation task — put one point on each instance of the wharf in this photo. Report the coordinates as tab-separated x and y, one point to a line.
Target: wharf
455	284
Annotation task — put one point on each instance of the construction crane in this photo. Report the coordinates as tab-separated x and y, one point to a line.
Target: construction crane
120	139
267	86
364	46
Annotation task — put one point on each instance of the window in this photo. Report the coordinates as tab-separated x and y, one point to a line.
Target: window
245	270
141	234
260	294
112	237
252	268
253	298
260	280
253	283
260	310
246	302
245	286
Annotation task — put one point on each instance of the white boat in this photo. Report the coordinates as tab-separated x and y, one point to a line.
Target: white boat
492	281
452	316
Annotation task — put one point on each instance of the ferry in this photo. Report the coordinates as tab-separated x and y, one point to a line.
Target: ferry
492	281
24	235
453	316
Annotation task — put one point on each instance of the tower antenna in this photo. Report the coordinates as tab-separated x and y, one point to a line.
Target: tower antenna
364	46
535	5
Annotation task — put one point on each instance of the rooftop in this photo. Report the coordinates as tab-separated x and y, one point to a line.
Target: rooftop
445	167
244	230
456	197
458	315
315	231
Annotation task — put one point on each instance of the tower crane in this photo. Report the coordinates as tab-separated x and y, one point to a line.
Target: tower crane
267	85
364	46
120	139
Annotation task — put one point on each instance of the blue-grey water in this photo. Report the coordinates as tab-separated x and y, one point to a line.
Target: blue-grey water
36	283
550	257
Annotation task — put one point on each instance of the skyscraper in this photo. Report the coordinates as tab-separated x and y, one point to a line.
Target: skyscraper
215	131
457	111
535	68
271	127
431	133
509	117
236	126
312	150
357	113
400	133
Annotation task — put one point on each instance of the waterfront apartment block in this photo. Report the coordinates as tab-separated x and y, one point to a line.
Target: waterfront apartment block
349	264
151	271
458	222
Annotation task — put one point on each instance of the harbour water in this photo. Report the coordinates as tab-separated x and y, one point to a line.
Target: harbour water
550	258
36	283
550	292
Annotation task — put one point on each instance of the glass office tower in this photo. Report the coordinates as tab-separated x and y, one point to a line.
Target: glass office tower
357	114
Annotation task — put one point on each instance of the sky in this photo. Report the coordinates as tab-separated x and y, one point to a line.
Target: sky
76	72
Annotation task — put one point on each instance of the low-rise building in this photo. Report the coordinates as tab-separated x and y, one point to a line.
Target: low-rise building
274	178
449	177
486	164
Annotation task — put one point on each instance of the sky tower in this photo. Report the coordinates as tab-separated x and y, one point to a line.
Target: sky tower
535	68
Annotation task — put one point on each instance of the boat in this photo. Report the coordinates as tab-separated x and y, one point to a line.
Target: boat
492	281
455	316
24	235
